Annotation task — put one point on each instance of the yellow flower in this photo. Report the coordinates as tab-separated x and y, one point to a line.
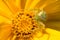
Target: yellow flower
11	19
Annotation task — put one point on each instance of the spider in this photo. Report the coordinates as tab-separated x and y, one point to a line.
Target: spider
41	17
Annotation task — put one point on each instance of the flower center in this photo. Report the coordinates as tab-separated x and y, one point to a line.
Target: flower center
24	25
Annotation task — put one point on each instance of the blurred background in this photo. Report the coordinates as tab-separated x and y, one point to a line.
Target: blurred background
53	15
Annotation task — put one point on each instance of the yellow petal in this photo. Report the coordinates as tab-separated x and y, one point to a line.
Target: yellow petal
53	11
5	31
4	11
28	3
11	5
39	4
23	2
33	4
54	35
53	7
4	20
6	15
18	3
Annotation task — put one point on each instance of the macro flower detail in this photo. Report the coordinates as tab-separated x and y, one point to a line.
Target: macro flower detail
25	26
24	20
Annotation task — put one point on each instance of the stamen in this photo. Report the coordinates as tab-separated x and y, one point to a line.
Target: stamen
24	25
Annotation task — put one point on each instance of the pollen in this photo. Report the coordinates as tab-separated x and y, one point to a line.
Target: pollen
24	26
